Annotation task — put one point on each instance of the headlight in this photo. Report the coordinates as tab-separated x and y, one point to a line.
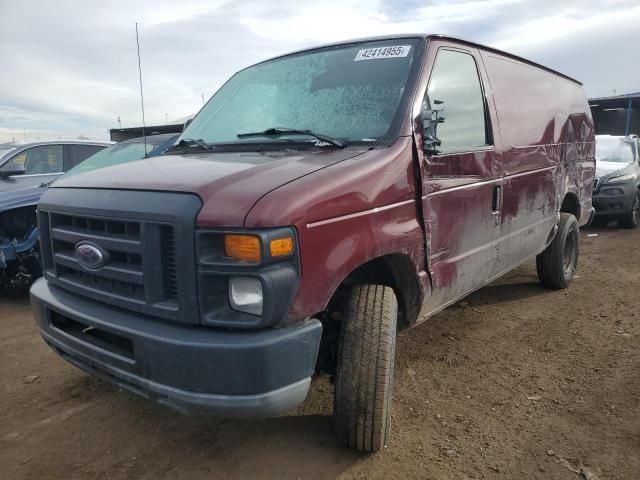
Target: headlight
247	278
245	294
622	178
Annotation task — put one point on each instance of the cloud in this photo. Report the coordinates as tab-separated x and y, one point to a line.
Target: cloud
70	68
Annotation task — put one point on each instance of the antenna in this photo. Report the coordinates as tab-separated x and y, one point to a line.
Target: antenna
144	136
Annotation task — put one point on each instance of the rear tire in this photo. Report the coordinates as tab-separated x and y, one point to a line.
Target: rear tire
632	219
557	265
364	376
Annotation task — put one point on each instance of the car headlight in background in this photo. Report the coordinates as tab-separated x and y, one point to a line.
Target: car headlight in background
245	294
622	178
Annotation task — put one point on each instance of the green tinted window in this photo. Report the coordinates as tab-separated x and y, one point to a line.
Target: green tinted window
120	153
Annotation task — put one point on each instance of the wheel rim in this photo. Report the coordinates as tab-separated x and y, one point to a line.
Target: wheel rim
570	253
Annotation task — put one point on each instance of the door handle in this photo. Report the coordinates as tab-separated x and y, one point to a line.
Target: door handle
496	199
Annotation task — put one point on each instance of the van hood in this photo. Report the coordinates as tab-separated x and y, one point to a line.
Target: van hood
229	184
604	168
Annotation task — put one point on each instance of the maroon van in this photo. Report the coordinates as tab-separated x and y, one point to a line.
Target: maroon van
319	202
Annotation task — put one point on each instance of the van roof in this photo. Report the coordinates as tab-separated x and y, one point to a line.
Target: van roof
428	37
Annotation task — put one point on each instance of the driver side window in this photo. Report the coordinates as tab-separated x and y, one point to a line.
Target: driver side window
454	88
45	159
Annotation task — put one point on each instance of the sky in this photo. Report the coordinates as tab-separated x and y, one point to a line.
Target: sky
69	68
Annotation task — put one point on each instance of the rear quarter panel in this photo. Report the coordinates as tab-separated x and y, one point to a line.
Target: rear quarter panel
547	137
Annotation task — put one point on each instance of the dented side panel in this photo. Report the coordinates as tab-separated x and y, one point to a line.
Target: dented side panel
547	141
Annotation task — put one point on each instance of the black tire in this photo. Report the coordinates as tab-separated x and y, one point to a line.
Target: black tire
558	263
632	219
364	376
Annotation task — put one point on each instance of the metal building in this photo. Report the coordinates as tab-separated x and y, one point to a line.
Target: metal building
616	115
121	134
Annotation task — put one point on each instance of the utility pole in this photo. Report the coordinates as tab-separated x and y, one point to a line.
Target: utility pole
202	94
166	118
119	122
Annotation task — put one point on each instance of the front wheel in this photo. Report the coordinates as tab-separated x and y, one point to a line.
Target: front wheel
558	263
364	376
632	219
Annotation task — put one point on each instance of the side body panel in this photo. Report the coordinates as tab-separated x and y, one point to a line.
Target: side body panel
461	225
547	134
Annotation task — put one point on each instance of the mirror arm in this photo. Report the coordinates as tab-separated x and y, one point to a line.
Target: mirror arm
431	142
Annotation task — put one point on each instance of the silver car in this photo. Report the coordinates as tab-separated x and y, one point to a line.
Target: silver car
32	164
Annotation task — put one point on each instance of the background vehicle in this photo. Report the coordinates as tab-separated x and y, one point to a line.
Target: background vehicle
126	151
19	251
34	163
616	192
318	202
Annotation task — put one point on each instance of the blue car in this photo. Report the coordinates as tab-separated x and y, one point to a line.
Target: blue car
20	261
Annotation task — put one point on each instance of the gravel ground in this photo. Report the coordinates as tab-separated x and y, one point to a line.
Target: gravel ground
512	382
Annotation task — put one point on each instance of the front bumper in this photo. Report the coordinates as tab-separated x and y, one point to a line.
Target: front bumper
614	198
189	368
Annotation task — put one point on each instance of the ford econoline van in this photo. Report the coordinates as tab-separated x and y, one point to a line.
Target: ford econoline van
318	203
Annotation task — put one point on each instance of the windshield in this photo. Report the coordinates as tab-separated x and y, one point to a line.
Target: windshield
614	150
354	93
119	153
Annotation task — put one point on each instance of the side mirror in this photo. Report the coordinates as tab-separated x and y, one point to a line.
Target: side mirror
11	171
430	120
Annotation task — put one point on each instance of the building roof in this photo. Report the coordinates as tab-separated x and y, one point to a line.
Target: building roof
616	97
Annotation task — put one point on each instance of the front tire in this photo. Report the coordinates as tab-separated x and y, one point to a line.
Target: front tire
364	376
557	265
632	219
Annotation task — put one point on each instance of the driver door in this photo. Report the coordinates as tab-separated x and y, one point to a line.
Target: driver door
461	183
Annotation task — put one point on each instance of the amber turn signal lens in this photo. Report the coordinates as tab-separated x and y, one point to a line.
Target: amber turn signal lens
281	247
242	247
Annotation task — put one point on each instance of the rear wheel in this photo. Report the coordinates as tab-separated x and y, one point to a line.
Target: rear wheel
632	219
364	376
558	263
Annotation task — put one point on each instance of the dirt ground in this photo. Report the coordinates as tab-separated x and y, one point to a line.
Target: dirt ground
513	382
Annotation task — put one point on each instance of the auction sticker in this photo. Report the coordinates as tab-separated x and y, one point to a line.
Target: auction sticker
383	52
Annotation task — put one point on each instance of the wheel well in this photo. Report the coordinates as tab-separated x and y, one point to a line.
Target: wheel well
396	271
570	204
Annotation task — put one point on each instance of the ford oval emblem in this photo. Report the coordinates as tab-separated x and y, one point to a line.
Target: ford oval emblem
91	255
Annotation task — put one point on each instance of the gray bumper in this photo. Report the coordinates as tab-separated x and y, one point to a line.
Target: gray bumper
614	198
192	369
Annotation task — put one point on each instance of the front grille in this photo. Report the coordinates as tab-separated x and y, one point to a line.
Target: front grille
141	273
170	268
148	237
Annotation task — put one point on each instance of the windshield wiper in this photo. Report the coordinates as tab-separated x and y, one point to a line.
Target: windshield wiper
322	140
187	143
